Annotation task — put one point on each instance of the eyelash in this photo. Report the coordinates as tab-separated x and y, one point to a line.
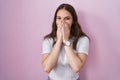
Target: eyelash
65	18
58	18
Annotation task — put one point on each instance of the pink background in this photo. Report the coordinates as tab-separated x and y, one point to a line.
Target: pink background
23	23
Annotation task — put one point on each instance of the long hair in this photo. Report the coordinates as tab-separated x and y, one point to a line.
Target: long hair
76	30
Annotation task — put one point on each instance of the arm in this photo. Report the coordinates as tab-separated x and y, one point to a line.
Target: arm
49	60
76	61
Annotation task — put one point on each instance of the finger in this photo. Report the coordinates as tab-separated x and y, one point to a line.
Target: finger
62	24
63	30
58	26
65	27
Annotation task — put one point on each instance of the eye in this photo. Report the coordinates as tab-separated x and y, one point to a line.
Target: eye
67	18
58	18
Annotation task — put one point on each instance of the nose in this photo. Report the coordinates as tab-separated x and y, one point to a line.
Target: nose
62	20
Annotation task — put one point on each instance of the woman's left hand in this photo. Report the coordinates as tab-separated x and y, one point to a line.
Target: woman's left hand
65	32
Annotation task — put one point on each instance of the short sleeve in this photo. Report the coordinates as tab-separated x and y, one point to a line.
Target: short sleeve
83	45
46	46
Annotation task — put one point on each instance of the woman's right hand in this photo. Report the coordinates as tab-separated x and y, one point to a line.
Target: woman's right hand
59	33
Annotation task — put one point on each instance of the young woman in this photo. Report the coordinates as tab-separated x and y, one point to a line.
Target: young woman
65	49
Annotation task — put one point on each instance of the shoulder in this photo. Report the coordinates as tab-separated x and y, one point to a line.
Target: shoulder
83	40
83	45
48	40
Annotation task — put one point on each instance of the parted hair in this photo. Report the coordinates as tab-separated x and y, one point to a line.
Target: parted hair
76	30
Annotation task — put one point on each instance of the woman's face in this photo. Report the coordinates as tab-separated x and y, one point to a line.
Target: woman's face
63	16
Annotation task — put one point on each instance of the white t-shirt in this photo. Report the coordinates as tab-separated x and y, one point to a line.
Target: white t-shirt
63	70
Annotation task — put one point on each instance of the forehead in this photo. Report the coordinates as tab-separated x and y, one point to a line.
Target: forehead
63	12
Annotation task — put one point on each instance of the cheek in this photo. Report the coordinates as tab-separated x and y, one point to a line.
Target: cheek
57	22
69	23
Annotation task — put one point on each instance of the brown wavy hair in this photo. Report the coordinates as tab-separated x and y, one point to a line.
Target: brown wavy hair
76	30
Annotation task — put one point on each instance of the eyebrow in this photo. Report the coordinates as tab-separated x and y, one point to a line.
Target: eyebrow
65	16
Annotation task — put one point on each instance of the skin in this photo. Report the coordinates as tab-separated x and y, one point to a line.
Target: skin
64	21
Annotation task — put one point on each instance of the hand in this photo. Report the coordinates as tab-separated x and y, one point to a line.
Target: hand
59	33
65	32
